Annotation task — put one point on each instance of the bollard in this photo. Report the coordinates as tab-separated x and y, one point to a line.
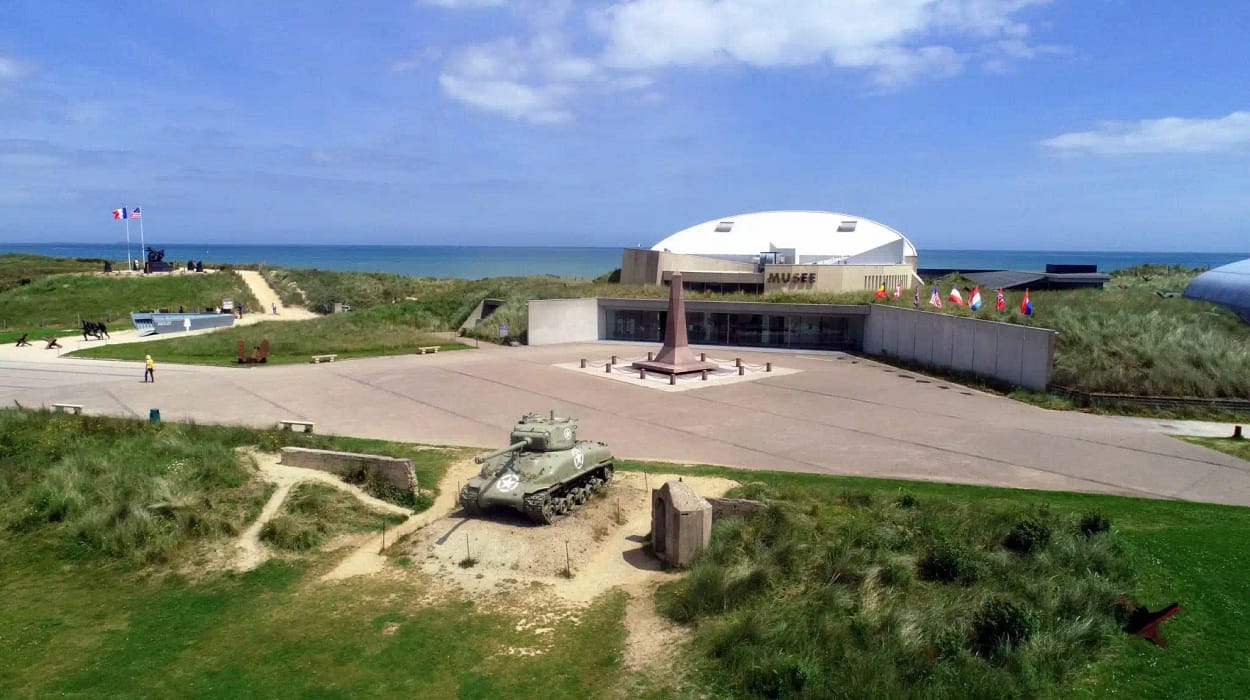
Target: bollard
703	357
642	374
608	368
583	363
768	366
650	356
672	379
738	362
1237	432
154	415
613	360
705	375
741	370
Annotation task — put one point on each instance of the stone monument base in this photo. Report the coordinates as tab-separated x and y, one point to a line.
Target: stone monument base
670	368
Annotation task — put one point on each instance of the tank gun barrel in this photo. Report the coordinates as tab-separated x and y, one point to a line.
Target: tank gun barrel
501	451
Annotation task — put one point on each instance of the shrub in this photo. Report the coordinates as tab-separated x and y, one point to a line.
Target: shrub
908	501
948	562
1027	536
1094	523
1000	626
287	532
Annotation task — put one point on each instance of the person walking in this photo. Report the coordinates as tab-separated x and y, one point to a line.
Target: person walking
274	304
149	373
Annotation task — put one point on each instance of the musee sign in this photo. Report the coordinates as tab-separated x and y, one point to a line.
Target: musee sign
791	278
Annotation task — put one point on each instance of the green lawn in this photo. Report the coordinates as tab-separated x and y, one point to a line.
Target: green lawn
384	330
1190	553
62	300
101	518
16	267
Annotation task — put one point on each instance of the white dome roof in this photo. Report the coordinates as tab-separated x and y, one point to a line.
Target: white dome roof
815	236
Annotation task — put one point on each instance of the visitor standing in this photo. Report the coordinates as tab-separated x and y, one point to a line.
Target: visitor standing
274	304
149	373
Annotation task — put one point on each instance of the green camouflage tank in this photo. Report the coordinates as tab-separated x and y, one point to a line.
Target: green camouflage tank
545	473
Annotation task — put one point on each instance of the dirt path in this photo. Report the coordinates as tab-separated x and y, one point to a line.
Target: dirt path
368	557
268	298
251	552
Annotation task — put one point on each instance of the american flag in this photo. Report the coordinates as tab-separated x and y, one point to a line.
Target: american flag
135	213
936	299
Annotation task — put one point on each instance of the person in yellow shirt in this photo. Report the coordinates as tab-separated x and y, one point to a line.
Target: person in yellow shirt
149	374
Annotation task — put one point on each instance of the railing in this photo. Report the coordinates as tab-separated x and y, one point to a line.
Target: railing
1087	399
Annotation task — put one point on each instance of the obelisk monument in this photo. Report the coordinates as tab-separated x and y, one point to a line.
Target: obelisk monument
675	356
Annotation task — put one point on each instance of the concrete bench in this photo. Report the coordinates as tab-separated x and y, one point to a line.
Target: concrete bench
427	348
318	359
307	425
62	407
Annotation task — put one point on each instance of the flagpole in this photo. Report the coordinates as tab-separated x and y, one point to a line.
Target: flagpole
130	265
142	245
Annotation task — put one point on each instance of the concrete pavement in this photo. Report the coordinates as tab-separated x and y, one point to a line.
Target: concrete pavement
837	415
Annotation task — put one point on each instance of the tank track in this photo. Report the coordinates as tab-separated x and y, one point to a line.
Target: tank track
549	506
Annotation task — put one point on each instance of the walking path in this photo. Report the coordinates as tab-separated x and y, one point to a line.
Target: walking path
837	414
1188	428
268	299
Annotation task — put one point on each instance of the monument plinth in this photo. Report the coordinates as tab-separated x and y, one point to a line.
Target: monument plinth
675	356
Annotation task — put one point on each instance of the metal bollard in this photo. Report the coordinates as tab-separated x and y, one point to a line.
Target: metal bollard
1237	432
741	370
703	357
738	362
608	368
650	356
613	360
583	363
705	375
642	374
672	380
768	366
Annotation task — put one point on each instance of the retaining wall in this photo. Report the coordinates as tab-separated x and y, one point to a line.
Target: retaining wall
554	321
1004	352
398	472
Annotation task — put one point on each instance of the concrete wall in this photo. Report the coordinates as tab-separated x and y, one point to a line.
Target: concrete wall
554	321
398	472
1005	352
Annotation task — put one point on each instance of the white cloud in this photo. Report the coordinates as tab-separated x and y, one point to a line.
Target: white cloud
11	69
1157	136
893	42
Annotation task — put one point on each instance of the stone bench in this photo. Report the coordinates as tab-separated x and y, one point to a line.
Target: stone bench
307	425
63	407
427	349
318	359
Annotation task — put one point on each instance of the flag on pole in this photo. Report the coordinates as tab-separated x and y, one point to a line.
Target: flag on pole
135	213
898	291
1001	303
975	302
880	293
956	298
119	214
1026	306
936	299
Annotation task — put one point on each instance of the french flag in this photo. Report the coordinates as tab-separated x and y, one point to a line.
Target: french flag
120	214
956	298
975	302
1026	306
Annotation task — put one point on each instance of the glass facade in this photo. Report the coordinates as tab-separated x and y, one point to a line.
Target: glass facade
799	331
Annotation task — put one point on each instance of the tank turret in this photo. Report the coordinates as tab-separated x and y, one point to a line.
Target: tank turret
544	473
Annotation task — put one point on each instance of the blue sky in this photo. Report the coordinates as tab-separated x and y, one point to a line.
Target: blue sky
1028	124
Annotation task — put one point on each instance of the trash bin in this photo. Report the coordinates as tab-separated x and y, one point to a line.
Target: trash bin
154	415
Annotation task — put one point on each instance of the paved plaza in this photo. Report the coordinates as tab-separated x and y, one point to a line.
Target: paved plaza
837	414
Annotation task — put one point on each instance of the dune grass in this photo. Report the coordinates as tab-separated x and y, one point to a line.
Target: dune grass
388	330
314	513
61	300
820	590
17	267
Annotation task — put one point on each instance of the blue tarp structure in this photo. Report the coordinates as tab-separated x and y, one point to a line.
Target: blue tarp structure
1227	286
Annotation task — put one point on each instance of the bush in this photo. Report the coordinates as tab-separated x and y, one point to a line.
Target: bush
908	501
947	562
1094	523
288	532
1027	536
1000	626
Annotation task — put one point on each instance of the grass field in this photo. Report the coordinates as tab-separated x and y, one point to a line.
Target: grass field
102	518
16	267
61	300
386	330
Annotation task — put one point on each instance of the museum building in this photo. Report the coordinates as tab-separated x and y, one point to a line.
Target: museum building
778	250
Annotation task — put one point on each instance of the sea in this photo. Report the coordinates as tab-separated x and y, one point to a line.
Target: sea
469	262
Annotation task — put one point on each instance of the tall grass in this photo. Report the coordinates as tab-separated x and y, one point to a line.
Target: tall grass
853	595
18	267
314	513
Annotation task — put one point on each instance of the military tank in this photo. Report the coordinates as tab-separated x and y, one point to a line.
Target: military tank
545	472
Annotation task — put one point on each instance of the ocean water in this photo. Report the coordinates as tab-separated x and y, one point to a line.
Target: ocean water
477	262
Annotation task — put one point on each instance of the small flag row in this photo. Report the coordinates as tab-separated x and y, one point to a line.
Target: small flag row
957	299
